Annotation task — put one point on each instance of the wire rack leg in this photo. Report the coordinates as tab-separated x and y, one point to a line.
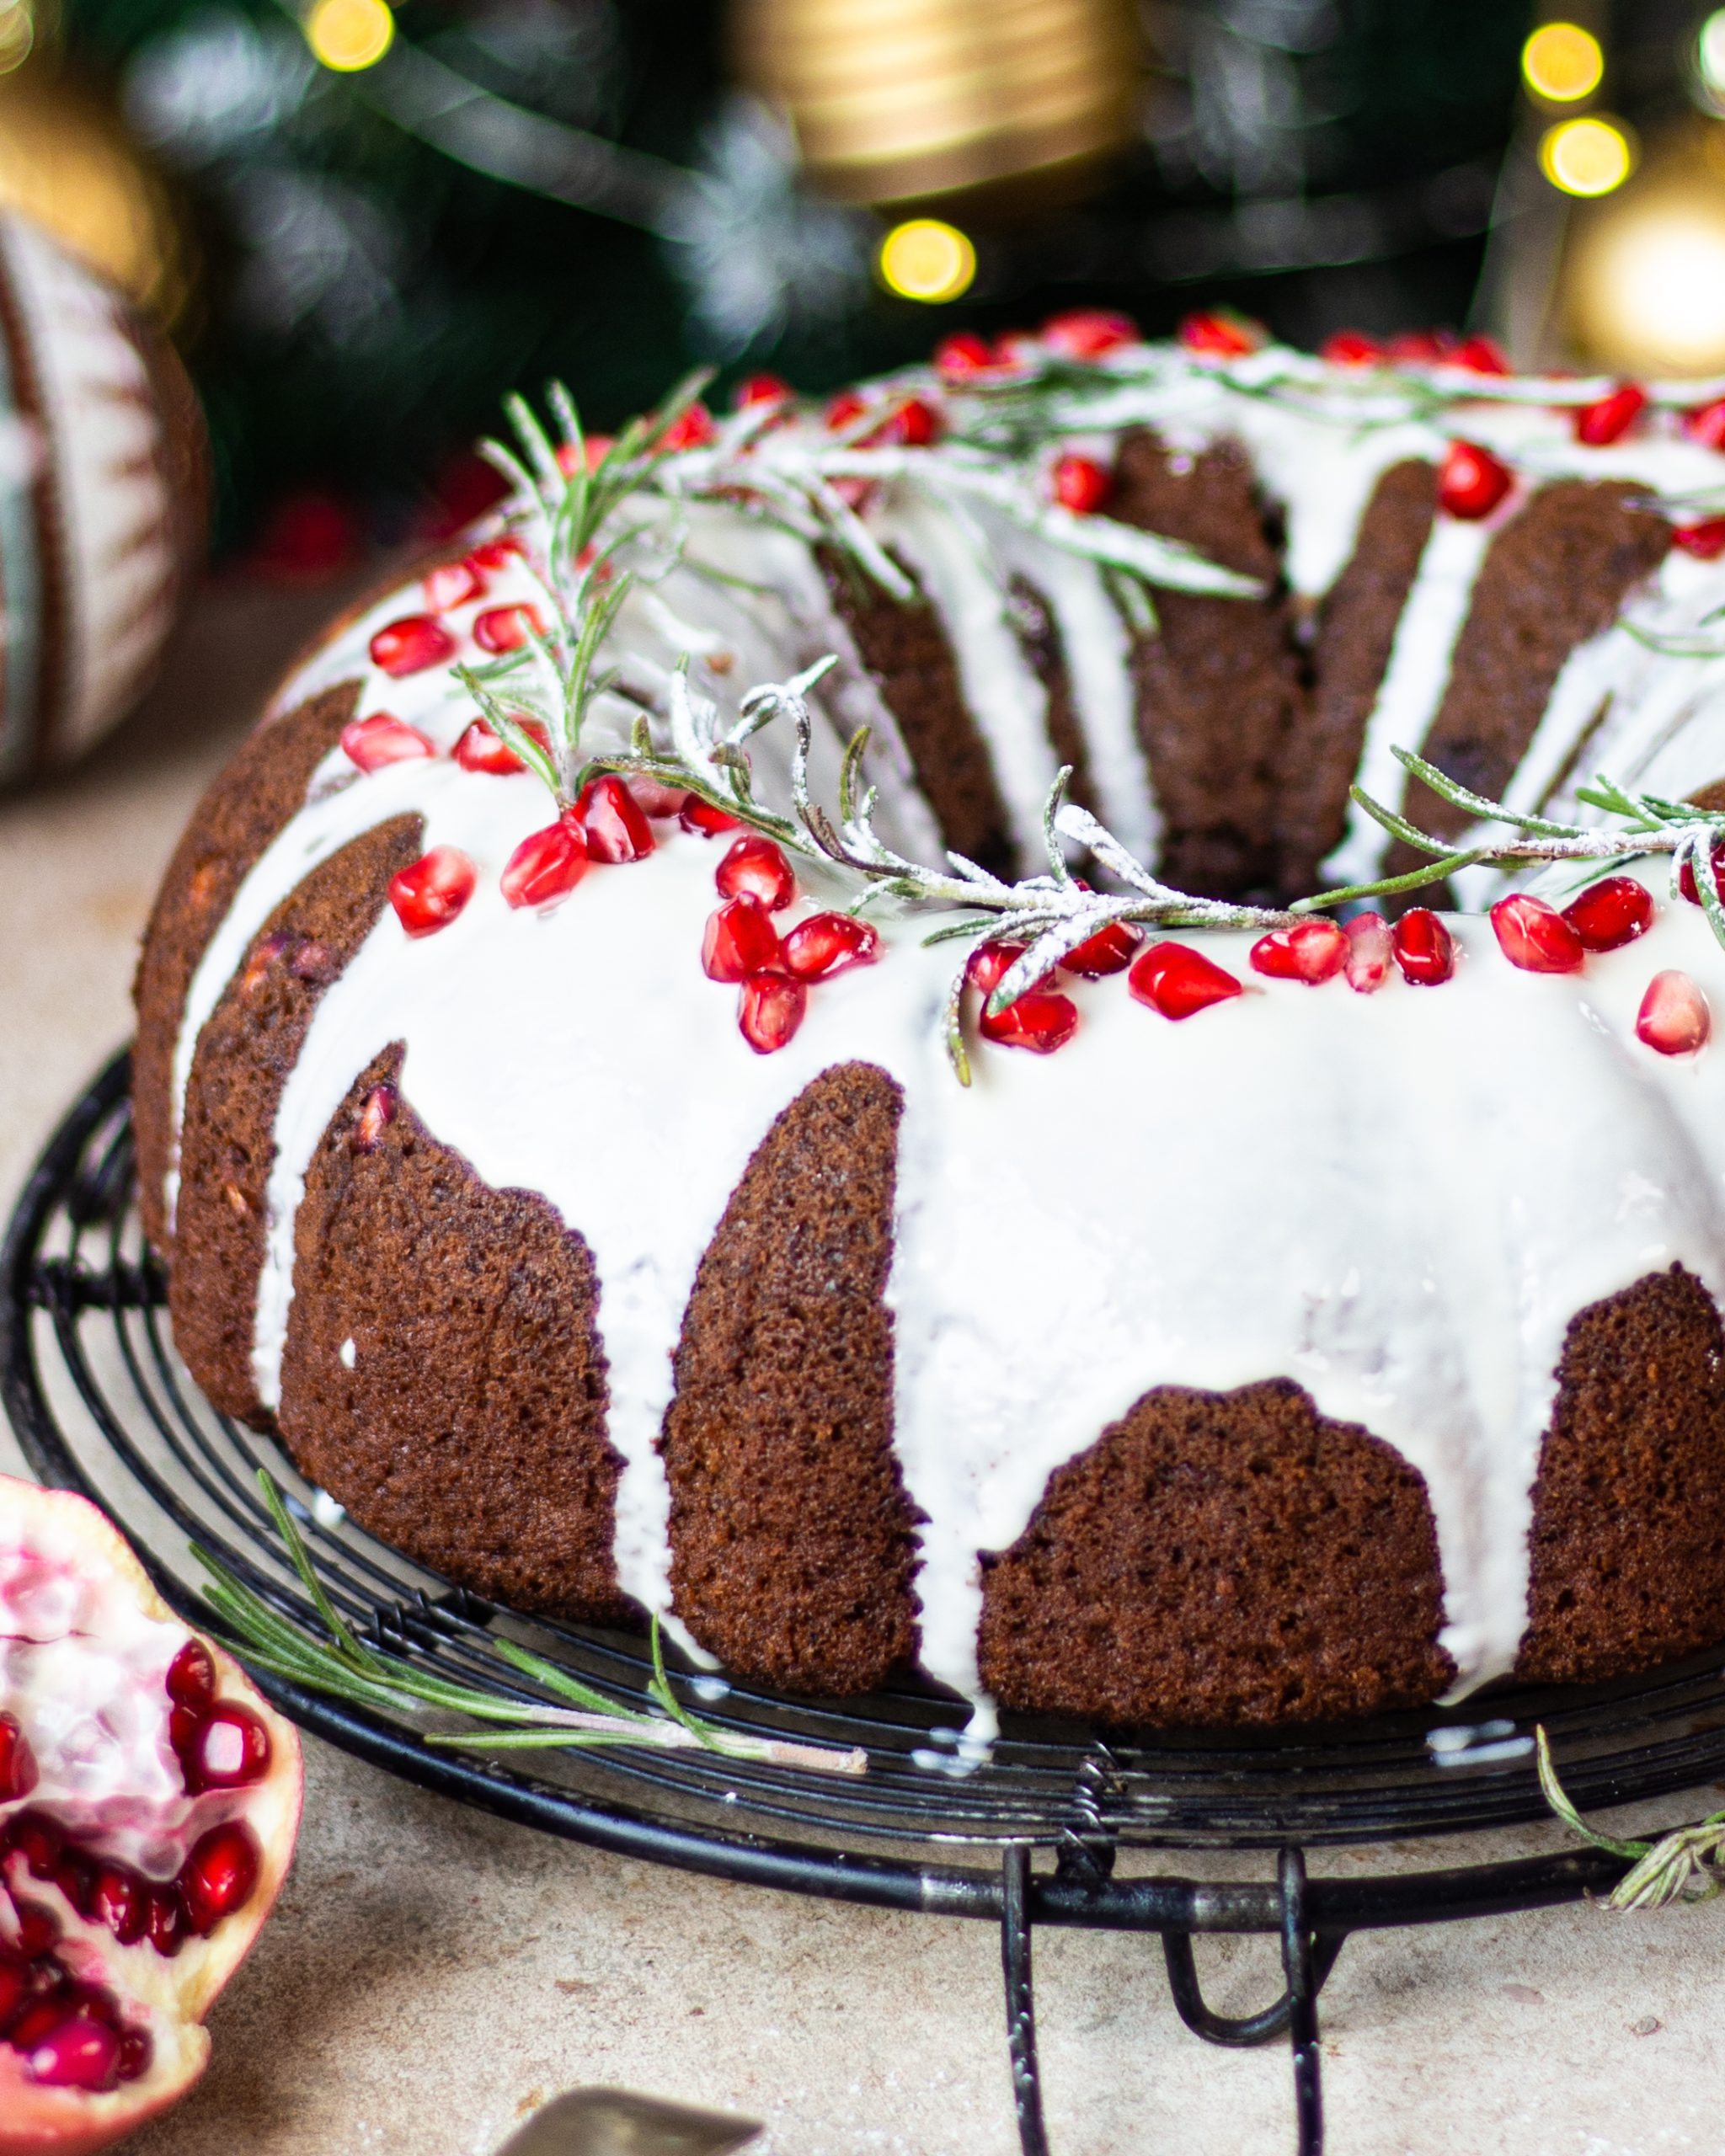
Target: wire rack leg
1021	2004
1299	1961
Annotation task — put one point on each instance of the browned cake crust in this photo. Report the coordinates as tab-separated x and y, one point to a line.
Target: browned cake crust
1556	574
256	795
1628	1541
470	1431
1220	1558
245	1056
792	1538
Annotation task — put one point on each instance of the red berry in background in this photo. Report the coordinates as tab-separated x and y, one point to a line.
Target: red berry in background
1673	1017
739	940
1178	981
692	428
1611	913
844	408
1109	951
1706	541
545	866
1424	948
770	1008
1479	355
761	389
497	553
306	538
1611	418
1706	425
755	864
1426	348
506	628
1040	1021
1311	951
828	943
410	645
1081	484
480	749
371	743
698	815
1351	348
592	452
913	425
1471	481
453	583
653	800
427	895
963	356
1370	949
612	821
1086	332
1217	336
1536	937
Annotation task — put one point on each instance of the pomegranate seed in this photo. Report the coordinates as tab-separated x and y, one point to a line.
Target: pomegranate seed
1081	484
411	644
842	409
653	800
191	1676
218	1876
1611	418
371	743
1424	948
1312	951
698	815
1369	952
507	628
613	821
770	1008
41	2018
38	1842
592	453
1536	937
753	863
692	428
374	1117
480	749
1706	425
1685	875
1611	913
1039	1021
545	866
80	2053
1421	347
15	1978
828	943
182	1731
18	1773
136	2053
1086	332
453	583
1109	951
1673	1017
1220	336
38	1929
1472	482
497	553
1480	355
962	356
1178	981
427	895
231	1750
1351	348
1706	541
987	965
739	940
913	425
165	1925
121	1900
75	1875
760	389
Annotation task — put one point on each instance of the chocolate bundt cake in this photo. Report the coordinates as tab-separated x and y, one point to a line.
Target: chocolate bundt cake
1174	1306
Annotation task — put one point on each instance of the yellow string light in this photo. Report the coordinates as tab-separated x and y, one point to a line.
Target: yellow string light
1586	156
349	35
1562	62
925	260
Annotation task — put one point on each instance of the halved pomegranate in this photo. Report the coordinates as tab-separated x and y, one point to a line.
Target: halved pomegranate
149	1800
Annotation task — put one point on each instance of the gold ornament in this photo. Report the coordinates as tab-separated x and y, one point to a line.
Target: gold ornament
893	100
1643	289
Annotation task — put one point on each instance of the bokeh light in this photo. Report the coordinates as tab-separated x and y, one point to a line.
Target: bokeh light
1710	56
1586	156
18	34
349	35
1562	62
1648	285
925	260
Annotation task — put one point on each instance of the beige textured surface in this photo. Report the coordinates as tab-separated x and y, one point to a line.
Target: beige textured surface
431	1974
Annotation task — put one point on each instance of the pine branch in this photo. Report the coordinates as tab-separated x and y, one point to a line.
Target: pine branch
1686	1864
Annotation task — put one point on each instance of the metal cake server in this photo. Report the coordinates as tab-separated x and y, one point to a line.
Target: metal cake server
615	2123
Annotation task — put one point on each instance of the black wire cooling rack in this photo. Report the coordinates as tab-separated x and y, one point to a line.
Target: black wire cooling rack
102	1404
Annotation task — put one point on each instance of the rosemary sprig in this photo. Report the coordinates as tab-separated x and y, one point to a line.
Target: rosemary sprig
1684	1865
343	1667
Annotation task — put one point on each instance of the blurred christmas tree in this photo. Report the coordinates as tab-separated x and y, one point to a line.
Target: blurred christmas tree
384	219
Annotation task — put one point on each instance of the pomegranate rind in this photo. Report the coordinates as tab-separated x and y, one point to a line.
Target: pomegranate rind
168	1997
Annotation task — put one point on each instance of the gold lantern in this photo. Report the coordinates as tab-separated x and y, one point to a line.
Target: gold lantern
896	100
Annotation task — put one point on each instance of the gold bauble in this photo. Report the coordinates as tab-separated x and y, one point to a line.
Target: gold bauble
894	100
1642	286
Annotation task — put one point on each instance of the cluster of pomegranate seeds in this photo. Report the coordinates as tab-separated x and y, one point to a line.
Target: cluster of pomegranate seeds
1040	1020
1611	418
608	825
1081	484
1611	913
1178	981
70	2034
506	628
1536	937
382	738
431	892
1086	332
1312	951
1471	481
1673	1019
1422	949
410	645
1706	541
772	974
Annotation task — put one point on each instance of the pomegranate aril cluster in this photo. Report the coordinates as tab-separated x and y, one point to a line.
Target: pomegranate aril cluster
772	973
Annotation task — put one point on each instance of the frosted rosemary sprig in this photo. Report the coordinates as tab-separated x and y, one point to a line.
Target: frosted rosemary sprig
343	1667
1687	1865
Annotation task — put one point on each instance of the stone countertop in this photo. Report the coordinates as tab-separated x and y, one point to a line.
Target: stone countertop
431	1974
